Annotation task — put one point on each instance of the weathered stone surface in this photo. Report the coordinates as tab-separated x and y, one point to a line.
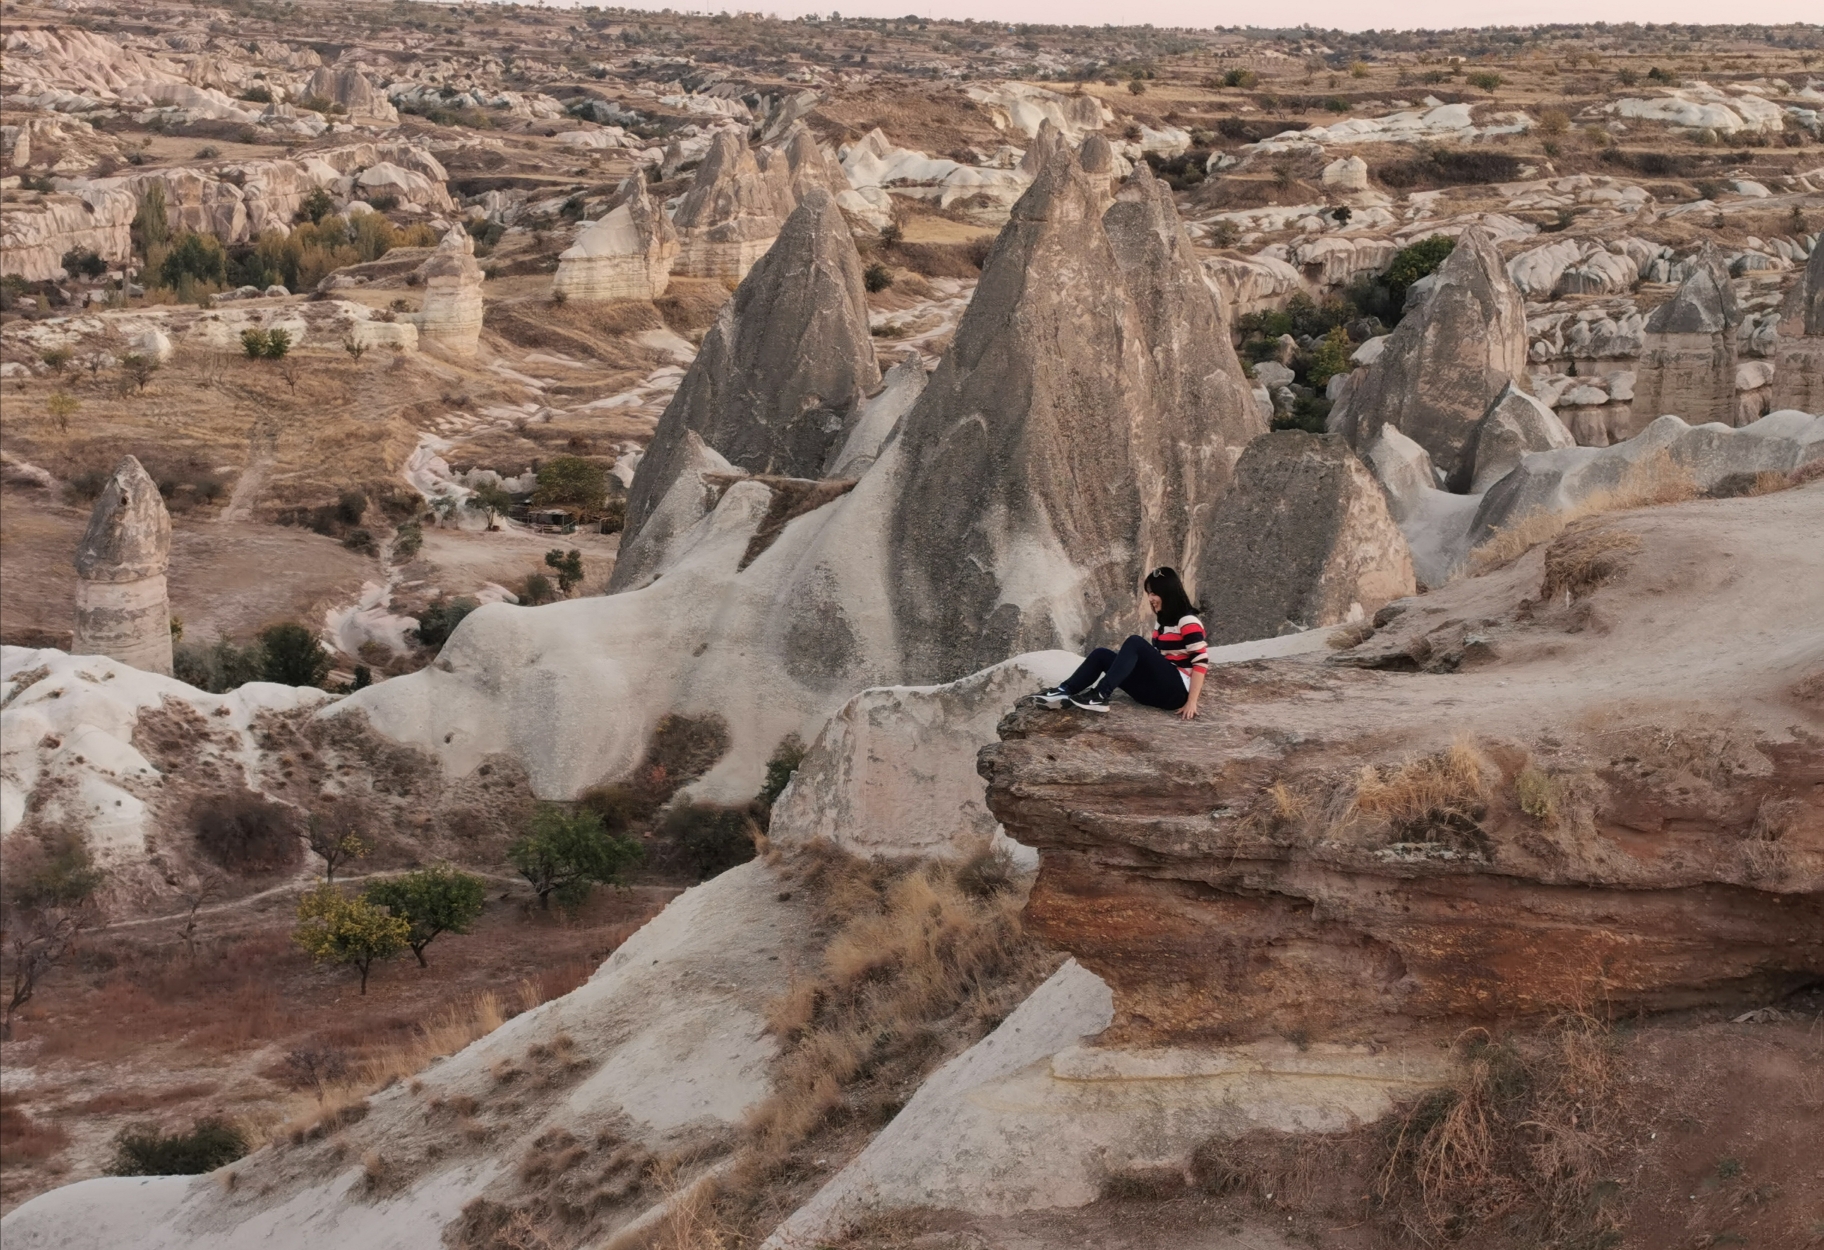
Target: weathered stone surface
731	214
893	772
1303	536
1241	877
451	315
1348	173
627	254
807	166
122	610
1446	361
1558	481
1035	496
780	373
350	88
1688	356
1100	166
1798	380
1515	424
1403	469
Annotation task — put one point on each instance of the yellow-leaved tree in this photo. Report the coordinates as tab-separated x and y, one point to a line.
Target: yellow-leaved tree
336	928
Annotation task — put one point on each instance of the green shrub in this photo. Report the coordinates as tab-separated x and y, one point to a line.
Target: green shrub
218	667
84	262
193	258
567	566
294	656
706	839
1330	358
151	227
567	853
55	872
145	1151
408	541
437	622
1485	80
537	589
253	343
351	506
571	482
779	769
278	342
316	206
877	277
1246	79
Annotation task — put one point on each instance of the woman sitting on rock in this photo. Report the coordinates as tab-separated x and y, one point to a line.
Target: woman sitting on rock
1165	672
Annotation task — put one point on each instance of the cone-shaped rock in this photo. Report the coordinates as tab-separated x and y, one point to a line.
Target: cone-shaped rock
807	165
781	371
1688	356
1019	522
1302	537
1515	424
731	214
627	254
451	315
122	610
1445	362
1798	378
1097	157
1204	411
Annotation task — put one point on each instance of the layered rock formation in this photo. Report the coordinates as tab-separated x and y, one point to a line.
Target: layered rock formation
451	315
731	214
1349	855
627	254
122	609
1445	363
1514	425
1798	378
1034	495
780	373
1303	538
1688	357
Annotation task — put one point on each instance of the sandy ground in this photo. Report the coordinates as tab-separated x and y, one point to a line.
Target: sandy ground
461	563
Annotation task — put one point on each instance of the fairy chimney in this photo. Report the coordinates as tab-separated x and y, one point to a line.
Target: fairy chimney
122	609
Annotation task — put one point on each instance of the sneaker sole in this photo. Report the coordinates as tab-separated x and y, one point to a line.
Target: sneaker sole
1090	707
1055	702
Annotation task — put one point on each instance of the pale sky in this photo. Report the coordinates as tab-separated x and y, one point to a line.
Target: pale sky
1343	14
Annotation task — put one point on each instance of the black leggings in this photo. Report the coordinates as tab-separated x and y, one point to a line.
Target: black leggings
1137	668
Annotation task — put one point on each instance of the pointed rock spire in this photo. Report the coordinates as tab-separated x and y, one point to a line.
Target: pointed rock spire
1205	408
783	368
731	214
1688	353
452	311
122	608
1445	362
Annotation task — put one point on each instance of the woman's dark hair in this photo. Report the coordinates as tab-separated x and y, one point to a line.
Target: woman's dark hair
1174	604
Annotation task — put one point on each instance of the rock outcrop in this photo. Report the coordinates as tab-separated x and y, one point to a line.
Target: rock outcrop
349	87
780	373
1798	379
627	254
731	214
1515	424
1543	812
1688	356
1099	162
451	315
1667	455
1303	538
1035	495
122	608
1446	362
807	166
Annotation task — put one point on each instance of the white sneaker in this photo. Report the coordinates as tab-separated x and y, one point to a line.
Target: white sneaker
1057	696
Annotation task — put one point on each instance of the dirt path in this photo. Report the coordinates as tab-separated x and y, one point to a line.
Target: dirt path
296	884
262	448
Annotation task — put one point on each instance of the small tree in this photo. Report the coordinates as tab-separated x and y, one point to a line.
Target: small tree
253	342
876	277
139	370
62	406
571	482
291	370
432	901
334	834
56	359
354	347
150	226
316	206
334	928
569	568
293	656
567	853
278	342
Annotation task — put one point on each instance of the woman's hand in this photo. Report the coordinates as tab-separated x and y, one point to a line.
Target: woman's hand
1189	710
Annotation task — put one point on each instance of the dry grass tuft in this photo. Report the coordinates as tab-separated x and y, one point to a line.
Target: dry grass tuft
1446	793
1655	481
1522	1138
1348	636
25	1141
1537	793
1580	560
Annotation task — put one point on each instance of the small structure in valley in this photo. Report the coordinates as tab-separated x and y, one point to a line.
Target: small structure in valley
122	608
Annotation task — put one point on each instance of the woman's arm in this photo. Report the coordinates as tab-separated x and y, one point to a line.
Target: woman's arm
1189	710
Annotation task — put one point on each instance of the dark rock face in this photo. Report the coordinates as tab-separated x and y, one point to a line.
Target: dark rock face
1798	376
1037	488
1302	536
1349	855
781	370
1446	361
1688	353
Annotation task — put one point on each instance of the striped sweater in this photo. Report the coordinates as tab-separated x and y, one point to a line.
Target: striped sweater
1183	644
